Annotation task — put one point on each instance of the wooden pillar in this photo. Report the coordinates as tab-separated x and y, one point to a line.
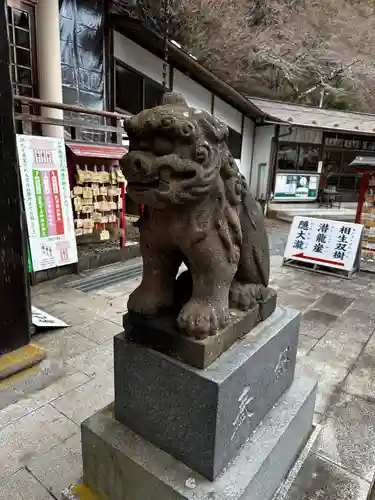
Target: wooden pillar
14	289
49	62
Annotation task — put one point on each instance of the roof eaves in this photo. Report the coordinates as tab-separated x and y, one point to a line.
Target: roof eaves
339	121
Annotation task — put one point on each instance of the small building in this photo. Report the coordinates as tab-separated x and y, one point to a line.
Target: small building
312	145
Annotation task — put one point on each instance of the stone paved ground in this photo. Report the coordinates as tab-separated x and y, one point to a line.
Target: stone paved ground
277	235
39	429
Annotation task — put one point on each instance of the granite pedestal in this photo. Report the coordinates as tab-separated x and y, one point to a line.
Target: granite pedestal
203	417
231	431
119	464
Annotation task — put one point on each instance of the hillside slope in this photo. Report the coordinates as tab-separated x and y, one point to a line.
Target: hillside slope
305	51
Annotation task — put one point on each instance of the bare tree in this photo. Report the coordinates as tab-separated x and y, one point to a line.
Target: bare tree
309	51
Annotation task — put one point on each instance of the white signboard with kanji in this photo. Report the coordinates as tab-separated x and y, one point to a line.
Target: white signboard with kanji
324	242
46	192
42	319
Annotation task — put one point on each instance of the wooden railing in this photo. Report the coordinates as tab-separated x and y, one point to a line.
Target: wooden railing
79	124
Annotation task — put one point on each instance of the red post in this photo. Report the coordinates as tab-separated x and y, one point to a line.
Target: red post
362	194
123	217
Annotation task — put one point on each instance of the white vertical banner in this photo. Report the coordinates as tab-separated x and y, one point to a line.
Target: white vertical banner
46	192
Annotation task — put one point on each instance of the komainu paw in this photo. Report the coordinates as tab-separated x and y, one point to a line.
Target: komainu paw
245	296
148	303
199	320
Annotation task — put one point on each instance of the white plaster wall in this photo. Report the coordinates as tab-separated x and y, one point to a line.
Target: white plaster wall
137	58
247	147
261	155
227	114
195	95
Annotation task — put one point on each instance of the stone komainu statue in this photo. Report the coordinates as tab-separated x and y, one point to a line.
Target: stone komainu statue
198	210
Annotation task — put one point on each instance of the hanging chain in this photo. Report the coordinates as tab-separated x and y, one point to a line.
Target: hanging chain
167	15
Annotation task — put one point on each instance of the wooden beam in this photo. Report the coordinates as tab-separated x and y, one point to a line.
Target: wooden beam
15	308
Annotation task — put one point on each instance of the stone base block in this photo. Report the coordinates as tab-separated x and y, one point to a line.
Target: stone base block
202	417
161	333
120	465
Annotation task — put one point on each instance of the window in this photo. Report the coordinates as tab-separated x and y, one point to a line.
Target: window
302	157
235	143
332	161
308	158
337	173
135	92
21	33
153	93
82	52
347	158
128	90
347	141
287	157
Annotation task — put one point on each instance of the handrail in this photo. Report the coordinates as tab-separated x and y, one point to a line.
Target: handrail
46	120
68	107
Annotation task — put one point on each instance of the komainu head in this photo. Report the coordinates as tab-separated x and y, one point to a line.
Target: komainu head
178	155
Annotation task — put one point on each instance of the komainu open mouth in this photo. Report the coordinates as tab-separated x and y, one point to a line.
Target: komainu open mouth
143	185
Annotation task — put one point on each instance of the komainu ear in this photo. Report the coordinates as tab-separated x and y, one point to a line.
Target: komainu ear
214	130
175	98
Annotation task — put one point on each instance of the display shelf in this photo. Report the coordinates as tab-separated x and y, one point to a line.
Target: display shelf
367	218
98	198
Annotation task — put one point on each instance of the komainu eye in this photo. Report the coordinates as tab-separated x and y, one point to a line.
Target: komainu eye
162	146
187	130
167	122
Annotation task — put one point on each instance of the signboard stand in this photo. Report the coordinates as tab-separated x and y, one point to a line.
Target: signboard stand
316	268
326	247
41	319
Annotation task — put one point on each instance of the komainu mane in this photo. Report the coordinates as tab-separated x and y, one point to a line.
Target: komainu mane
198	211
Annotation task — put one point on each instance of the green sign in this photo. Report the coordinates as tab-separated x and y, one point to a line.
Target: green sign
29	261
310	194
40	203
301	187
